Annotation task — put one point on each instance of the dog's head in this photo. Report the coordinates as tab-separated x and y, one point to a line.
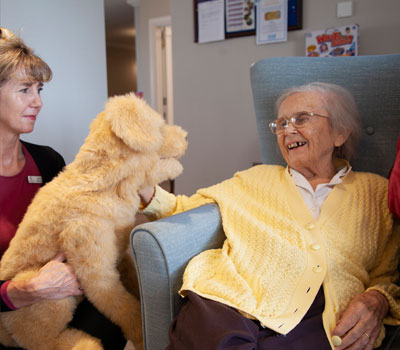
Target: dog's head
130	139
135	123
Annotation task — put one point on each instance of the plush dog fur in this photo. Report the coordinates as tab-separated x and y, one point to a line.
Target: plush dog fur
87	212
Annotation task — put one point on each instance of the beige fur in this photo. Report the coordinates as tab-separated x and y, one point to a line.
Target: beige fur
87	212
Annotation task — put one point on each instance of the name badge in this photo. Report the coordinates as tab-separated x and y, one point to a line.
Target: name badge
35	179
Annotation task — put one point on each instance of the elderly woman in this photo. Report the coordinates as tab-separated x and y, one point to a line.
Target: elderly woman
310	256
24	168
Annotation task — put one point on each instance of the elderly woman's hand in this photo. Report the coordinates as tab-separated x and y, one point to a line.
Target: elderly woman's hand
361	323
146	195
55	280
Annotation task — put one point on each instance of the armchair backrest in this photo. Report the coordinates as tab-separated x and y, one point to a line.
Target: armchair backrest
374	82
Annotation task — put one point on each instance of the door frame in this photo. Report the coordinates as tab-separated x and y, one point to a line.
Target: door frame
155	66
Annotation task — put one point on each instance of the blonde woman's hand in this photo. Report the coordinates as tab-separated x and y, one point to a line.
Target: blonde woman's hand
55	280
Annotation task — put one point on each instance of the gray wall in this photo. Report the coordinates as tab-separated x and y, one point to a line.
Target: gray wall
70	37
212	94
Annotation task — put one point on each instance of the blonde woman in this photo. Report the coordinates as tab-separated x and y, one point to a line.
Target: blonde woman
24	168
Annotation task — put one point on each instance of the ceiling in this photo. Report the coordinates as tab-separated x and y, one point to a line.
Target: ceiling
120	27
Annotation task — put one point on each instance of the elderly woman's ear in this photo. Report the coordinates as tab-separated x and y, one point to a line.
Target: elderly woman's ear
341	137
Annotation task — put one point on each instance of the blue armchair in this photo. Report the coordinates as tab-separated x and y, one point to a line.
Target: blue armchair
162	249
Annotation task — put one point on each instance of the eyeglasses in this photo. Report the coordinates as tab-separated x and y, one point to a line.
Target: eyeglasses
298	120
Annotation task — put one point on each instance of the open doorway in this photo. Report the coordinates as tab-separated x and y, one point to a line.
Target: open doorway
120	46
161	81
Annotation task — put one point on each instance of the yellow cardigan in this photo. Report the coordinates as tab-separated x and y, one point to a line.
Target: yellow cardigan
276	255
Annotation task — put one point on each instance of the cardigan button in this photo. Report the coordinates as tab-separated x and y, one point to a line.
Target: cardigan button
317	269
310	226
336	340
315	246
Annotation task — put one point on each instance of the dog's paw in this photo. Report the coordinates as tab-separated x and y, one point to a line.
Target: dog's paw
173	147
164	169
174	142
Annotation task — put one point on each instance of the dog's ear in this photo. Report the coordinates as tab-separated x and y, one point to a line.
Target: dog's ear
133	121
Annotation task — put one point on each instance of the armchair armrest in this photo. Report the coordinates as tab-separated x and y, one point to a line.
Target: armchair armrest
161	251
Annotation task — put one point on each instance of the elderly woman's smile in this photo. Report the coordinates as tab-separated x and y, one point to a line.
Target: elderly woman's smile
296	144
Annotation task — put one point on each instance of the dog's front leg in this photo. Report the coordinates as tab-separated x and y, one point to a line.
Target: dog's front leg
92	252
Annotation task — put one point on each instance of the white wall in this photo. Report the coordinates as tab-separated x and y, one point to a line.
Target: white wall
212	93
69	35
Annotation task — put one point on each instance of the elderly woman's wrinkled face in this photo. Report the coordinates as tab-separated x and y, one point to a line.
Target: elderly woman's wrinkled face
310	146
20	103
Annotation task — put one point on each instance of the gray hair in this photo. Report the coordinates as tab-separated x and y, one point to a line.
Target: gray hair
342	110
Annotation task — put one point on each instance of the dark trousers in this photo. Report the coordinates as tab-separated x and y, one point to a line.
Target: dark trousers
206	324
87	318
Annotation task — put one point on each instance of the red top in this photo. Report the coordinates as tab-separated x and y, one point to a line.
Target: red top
16	193
394	184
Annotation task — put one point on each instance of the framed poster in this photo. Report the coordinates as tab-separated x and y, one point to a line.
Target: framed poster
272	24
211	21
240	17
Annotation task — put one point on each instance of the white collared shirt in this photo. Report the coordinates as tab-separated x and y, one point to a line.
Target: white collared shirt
315	199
